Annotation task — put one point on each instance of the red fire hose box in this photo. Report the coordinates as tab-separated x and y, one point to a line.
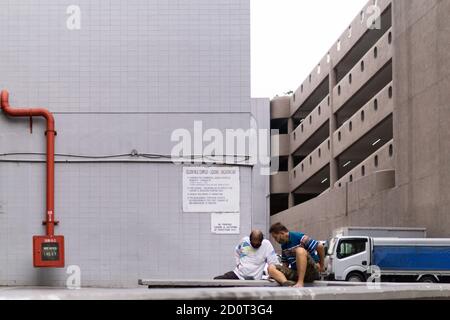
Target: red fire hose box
48	251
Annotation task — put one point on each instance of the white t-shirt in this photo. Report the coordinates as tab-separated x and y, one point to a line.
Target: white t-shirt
250	261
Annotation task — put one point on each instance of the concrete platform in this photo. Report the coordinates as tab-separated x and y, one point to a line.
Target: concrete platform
201	283
320	291
158	283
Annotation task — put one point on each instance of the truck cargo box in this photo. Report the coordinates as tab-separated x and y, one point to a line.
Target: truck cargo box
412	254
382	232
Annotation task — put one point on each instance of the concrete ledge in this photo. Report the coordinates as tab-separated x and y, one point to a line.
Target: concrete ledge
156	283
324	291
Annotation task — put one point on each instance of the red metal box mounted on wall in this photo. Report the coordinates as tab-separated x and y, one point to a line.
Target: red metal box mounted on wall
48	251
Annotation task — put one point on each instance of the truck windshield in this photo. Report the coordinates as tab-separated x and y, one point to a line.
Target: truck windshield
350	247
332	245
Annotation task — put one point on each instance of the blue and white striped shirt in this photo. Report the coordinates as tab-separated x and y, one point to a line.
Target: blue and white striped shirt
297	239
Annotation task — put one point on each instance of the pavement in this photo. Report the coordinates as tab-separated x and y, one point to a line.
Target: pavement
321	290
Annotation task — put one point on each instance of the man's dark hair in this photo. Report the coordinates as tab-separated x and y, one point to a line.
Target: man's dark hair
278	228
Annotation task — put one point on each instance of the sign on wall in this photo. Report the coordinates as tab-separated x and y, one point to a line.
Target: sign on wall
225	223
211	189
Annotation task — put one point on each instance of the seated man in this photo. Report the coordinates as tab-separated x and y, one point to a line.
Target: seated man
251	254
298	251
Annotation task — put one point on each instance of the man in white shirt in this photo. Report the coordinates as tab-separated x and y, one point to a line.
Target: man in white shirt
252	255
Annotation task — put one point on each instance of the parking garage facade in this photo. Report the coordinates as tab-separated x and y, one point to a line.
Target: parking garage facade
340	131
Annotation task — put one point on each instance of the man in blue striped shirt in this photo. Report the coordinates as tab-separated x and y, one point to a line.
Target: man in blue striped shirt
302	257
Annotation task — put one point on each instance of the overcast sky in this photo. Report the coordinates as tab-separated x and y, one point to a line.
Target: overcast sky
290	37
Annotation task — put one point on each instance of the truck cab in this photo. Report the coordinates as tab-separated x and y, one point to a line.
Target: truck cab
348	258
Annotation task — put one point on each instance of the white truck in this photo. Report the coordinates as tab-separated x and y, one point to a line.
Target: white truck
375	232
354	259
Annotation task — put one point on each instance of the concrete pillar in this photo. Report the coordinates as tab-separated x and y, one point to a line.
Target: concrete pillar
333	126
290	163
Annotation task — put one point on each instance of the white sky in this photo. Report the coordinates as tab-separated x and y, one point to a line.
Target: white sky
290	37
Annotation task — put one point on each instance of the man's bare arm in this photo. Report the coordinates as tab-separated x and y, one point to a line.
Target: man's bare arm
321	251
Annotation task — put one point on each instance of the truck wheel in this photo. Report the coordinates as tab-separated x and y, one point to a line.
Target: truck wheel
355	277
428	279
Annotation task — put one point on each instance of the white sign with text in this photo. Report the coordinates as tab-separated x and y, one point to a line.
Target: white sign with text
211	189
225	223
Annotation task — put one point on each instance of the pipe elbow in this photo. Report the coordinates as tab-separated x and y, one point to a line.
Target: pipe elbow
23	112
4	99
50	119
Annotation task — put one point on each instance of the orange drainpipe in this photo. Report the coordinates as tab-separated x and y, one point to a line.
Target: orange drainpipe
50	133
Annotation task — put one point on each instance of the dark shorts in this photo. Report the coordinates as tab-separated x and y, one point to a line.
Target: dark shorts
311	274
227	276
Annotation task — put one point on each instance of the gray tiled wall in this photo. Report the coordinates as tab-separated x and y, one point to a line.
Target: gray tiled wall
121	222
135	71
134	55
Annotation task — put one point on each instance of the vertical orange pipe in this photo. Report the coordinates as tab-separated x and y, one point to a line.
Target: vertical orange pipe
50	133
